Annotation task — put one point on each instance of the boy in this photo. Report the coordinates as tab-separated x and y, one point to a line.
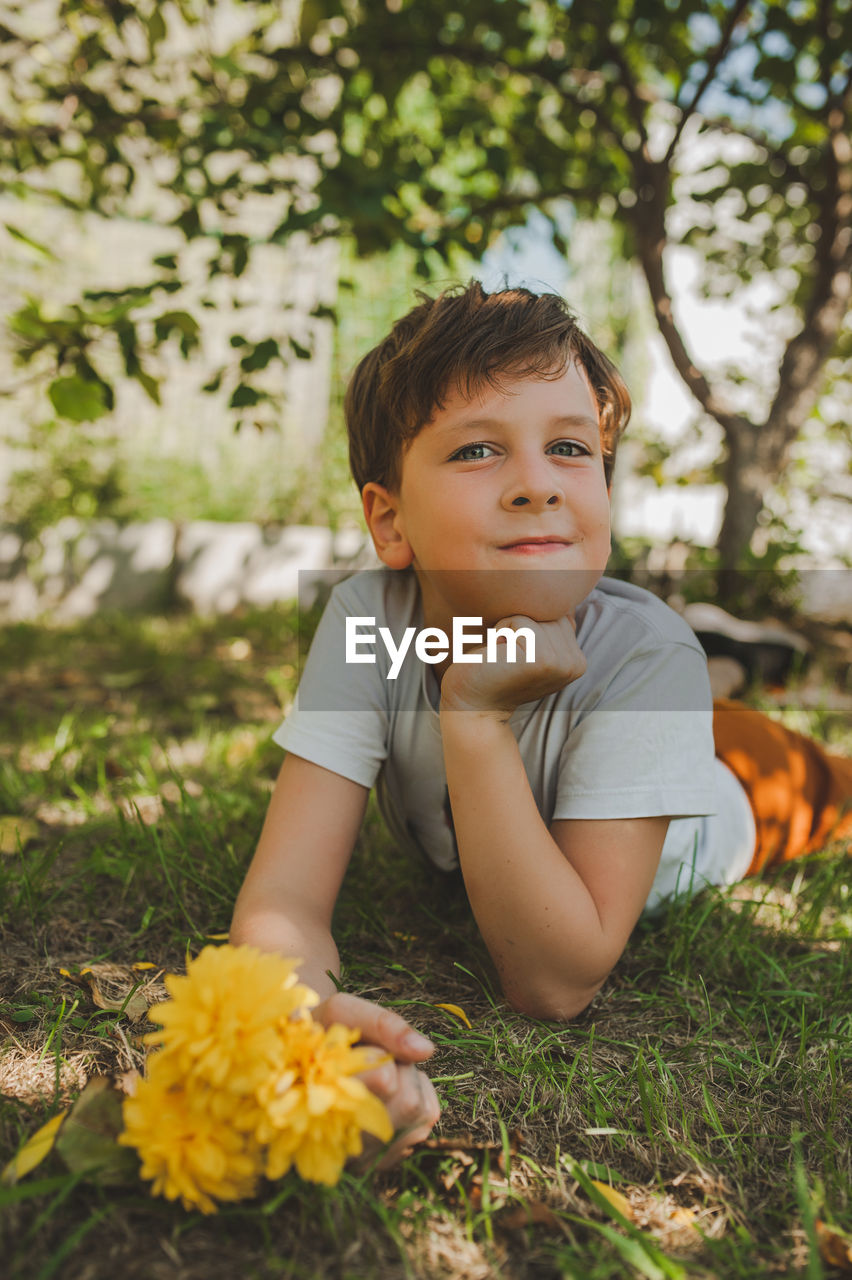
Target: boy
566	764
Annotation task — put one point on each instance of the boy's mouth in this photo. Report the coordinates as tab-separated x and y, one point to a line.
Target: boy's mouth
546	543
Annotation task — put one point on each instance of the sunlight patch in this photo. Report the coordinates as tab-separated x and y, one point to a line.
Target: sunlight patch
26	1075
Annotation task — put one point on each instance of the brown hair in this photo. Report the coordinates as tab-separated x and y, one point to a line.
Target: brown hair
459	341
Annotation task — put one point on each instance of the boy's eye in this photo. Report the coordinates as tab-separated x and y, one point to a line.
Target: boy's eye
471	453
568	449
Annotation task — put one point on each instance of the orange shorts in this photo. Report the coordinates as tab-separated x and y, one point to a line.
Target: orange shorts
800	795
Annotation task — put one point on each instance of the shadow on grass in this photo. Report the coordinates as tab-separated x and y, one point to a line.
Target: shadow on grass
140	750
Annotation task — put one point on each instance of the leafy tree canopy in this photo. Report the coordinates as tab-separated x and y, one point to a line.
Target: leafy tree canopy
723	126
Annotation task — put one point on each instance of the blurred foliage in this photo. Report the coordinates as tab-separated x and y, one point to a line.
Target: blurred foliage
83	471
721	126
74	472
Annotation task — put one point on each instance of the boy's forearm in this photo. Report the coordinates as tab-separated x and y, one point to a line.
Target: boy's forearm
539	920
269	929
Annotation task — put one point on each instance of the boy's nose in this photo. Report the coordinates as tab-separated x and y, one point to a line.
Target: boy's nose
533	491
522	501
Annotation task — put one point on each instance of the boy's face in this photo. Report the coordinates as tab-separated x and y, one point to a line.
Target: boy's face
502	506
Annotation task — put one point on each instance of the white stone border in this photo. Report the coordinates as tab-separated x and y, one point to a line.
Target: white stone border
79	568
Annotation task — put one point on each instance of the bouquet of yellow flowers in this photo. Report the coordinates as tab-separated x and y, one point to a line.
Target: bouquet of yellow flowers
245	1084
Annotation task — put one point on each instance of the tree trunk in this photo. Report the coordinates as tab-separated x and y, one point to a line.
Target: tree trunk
747	478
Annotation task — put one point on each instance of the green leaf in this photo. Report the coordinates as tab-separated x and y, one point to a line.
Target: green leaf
635	1255
181	323
87	1139
78	399
29	241
156	24
260	356
150	385
244	395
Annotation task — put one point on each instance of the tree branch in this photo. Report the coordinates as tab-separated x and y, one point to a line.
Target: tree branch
830	300
648	222
509	200
775	154
716	57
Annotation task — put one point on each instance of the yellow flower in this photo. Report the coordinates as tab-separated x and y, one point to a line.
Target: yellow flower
246	1084
314	1112
223	1022
188	1149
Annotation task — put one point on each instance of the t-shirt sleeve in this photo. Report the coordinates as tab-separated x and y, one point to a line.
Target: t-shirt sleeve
646	748
340	716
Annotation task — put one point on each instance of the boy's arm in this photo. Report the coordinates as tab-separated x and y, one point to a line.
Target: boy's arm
555	907
288	895
286	905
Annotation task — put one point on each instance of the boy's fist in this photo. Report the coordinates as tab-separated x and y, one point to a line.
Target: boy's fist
408	1094
502	686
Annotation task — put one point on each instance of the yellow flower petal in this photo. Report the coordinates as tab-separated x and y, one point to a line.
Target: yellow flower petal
457	1012
245	1083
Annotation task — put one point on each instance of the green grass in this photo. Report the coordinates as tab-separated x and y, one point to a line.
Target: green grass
708	1082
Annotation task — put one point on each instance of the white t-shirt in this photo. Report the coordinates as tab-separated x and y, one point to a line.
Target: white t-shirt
631	738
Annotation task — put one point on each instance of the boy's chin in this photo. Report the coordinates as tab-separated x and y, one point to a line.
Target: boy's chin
541	594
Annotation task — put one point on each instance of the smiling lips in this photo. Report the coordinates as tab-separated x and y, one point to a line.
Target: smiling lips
529	546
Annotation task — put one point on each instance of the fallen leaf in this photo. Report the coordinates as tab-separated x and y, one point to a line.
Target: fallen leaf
132	1004
467	1155
835	1246
682	1217
615	1198
16	834
87	1141
139	965
528	1213
457	1153
34	1150
450	1176
456	1012
126	1083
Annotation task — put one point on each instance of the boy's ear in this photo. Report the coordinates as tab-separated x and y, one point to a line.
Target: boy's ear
381	511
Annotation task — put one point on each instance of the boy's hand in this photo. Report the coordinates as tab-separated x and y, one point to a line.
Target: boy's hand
408	1094
499	687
